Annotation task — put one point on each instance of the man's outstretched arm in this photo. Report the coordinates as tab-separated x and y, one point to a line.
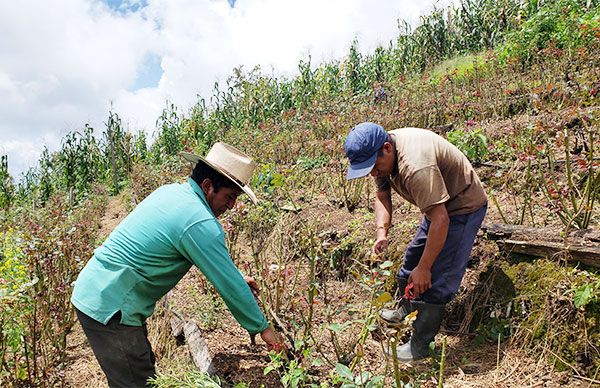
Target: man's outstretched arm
436	238
383	219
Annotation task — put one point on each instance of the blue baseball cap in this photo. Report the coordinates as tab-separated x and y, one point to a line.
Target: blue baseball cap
362	145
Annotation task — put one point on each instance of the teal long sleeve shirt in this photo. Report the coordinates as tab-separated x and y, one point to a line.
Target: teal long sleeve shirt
150	251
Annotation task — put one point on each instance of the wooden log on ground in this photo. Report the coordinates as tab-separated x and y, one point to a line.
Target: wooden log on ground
198	348
578	245
187	331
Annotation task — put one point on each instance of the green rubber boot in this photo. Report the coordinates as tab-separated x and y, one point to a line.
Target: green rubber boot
425	327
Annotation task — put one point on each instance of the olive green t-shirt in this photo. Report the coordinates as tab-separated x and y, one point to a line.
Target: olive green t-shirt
432	171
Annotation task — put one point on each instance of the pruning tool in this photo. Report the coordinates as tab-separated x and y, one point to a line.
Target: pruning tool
408	293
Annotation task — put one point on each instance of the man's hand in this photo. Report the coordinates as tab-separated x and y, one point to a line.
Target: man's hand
380	245
383	219
436	238
252	284
273	340
421	278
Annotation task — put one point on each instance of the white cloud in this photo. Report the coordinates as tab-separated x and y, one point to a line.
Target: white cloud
63	62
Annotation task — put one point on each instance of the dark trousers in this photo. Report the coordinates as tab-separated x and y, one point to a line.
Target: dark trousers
450	265
123	352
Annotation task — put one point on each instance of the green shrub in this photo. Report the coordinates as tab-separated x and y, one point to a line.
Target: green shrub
472	143
15	304
557	23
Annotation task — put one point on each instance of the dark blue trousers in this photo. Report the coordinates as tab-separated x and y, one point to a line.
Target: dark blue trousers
450	265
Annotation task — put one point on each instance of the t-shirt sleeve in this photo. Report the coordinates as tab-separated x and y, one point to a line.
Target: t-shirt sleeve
427	188
203	244
382	184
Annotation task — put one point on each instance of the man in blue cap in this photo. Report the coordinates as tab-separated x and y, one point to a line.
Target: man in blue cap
434	175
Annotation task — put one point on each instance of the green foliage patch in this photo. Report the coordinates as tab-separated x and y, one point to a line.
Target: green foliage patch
554	312
563	24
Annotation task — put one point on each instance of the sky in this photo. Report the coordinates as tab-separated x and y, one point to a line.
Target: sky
65	63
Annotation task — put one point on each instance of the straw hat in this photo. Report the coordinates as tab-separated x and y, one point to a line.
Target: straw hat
230	162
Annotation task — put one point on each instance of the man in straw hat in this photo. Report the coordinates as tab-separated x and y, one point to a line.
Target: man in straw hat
145	256
434	175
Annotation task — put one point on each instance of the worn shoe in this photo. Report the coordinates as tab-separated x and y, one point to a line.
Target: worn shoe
403	307
394	317
426	326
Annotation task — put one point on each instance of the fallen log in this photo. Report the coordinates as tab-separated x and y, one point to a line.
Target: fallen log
198	348
578	245
188	331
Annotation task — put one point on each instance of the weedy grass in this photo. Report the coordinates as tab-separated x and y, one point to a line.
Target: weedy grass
557	324
458	66
182	373
36	312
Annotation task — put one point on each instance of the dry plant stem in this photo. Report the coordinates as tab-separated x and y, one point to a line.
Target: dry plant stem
594	378
312	260
569	172
442	362
285	332
547	190
581	203
336	345
3	346
26	360
495	200
278	288
509	373
527	198
511	188
333	336
591	381
319	350
497	358
577	375
498	353
365	331
593	182
395	362
294	283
